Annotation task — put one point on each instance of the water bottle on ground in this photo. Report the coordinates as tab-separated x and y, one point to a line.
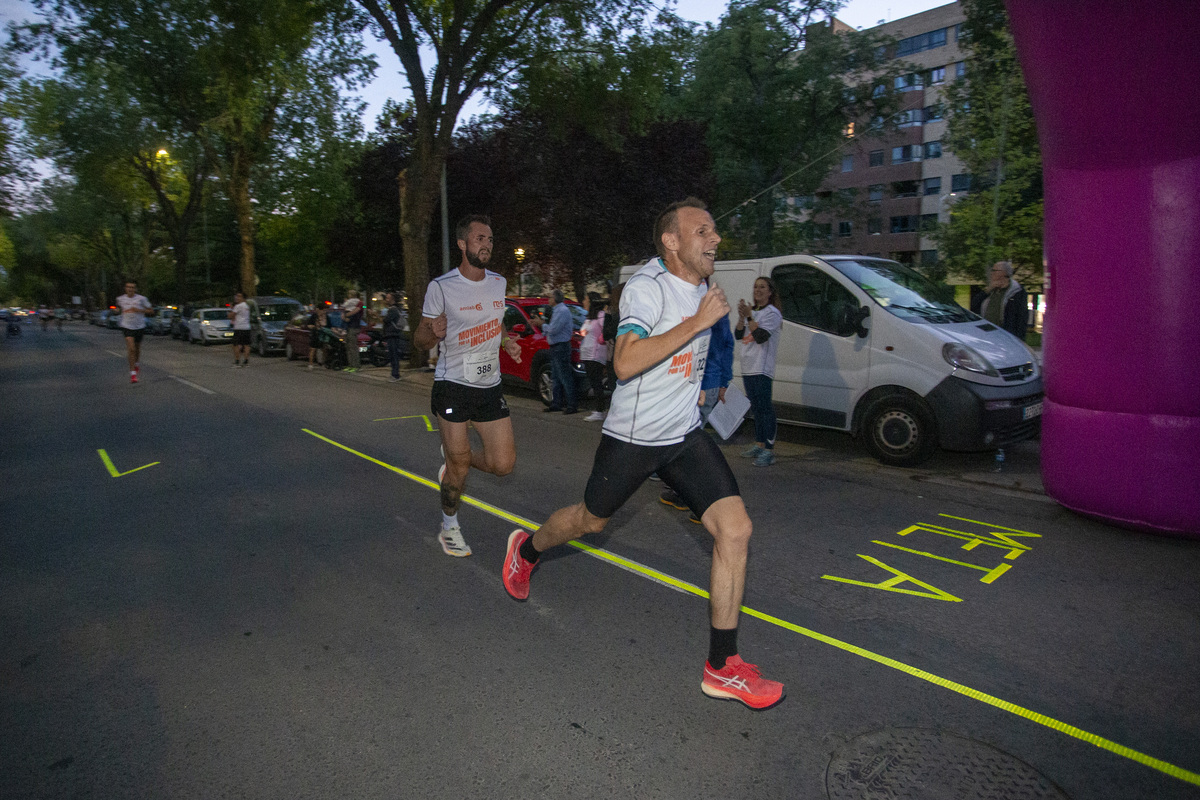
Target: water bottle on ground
999	460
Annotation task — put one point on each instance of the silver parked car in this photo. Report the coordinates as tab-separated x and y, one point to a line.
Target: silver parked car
209	325
269	316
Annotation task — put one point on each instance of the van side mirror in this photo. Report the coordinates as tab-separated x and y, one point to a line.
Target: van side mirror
859	317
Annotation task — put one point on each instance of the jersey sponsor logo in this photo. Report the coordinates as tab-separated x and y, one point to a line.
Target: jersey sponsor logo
497	304
681	364
476	307
479	334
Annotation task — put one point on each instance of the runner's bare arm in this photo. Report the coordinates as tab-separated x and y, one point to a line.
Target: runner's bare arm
634	355
431	331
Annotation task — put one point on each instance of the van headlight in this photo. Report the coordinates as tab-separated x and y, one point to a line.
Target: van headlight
962	357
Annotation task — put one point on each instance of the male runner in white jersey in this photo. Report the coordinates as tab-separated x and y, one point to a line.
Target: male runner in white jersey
134	310
653	425
463	312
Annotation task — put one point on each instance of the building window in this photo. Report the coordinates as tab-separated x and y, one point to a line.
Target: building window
933	149
960	69
909	118
960	183
803	202
879	91
875	192
932	113
906	153
905	188
929	222
908	223
928	258
875	226
910	82
937	75
848	195
876	158
932	186
847	163
922	41
958	32
848	131
845	228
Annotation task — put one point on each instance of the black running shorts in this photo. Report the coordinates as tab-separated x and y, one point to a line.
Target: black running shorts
695	468
241	337
134	333
455	402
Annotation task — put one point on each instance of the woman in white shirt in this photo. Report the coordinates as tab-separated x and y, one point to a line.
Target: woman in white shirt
593	352
758	329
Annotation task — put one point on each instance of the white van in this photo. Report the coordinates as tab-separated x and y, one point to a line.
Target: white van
874	348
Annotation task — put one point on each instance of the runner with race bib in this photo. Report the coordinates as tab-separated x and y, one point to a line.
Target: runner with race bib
462	315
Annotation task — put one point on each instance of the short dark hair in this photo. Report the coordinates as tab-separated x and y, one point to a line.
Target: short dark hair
595	305
464	225
668	220
559	296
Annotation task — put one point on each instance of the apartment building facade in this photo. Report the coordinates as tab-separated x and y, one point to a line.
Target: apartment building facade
893	186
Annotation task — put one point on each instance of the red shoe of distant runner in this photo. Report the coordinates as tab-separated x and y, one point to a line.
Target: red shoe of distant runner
516	569
741	681
133	377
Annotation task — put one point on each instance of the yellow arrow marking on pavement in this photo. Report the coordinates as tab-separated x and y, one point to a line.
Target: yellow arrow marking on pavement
428	424
112	470
1165	767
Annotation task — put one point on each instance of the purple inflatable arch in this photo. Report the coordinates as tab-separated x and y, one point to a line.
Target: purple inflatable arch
1115	89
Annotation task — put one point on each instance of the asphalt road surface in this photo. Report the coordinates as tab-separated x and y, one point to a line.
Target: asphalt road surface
224	583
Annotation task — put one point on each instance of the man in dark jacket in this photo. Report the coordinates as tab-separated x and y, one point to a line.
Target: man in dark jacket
1005	303
393	333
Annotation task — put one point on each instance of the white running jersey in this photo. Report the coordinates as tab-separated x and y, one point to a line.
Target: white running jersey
658	407
241	316
130	320
470	353
759	359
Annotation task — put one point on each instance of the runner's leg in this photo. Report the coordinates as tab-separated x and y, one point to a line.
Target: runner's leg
131	352
499	452
456	446
730	527
567	524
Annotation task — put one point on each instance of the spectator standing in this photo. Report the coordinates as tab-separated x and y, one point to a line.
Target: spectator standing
593	352
316	321
1006	304
558	332
393	332
352	313
240	316
758	327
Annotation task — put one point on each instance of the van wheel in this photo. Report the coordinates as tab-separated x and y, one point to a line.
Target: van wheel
899	431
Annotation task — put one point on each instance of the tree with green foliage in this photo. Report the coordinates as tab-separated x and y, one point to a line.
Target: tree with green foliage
477	46
213	77
991	129
778	86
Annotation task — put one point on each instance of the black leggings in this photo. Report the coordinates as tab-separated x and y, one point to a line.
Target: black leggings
595	373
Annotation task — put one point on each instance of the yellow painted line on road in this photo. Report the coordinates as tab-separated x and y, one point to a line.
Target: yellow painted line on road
660	577
428	424
113	471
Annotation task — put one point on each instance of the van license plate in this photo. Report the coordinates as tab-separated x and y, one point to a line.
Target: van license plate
1032	411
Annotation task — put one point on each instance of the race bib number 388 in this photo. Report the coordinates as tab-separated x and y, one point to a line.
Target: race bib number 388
480	367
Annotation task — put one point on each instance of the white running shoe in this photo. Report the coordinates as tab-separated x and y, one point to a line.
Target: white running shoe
452	542
595	416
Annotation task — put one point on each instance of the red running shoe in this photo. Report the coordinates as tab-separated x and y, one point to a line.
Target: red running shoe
133	376
516	569
741	681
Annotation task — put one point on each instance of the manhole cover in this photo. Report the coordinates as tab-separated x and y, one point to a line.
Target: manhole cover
899	763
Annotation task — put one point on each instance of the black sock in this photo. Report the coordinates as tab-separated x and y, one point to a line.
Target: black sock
722	643
528	552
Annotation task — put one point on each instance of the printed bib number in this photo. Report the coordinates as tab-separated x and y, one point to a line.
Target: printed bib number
479	367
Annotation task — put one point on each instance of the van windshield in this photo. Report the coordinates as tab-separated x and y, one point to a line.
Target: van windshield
277	312
903	291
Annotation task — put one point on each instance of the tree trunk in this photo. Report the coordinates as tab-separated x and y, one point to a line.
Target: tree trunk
418	193
240	197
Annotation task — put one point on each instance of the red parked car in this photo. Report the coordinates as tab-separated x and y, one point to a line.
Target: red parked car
523	319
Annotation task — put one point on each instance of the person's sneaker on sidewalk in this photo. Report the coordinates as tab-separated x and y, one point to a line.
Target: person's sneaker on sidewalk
595	416
765	459
753	451
741	681
516	569
670	498
453	543
133	377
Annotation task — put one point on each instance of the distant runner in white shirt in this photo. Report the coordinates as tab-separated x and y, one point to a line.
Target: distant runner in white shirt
240	316
653	425
134	310
462	314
